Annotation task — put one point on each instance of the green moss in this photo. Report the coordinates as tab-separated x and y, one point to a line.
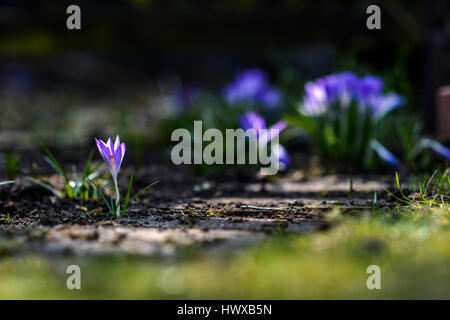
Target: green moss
411	248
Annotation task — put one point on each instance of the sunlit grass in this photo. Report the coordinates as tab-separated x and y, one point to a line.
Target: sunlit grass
432	191
410	246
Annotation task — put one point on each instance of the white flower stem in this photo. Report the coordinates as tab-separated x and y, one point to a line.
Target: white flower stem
117	196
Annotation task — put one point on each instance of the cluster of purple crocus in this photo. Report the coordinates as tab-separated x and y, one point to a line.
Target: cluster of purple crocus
346	87
252	85
253	120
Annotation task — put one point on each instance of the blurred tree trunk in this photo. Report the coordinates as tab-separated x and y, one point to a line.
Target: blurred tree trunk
435	73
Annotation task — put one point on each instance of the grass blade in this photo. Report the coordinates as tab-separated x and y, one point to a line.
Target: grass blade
87	166
397	198
143	190
6	182
54	166
111	211
54	163
45	186
397	180
429	181
127	197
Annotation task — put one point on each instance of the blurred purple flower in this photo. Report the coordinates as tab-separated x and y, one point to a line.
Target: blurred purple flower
368	87
344	87
270	97
252	120
246	85
340	86
320	94
341	89
279	126
315	101
283	157
252	85
184	96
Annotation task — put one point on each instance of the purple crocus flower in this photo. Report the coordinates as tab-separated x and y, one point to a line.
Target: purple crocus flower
253	120
339	86
113	155
246	85
325	91
342	87
270	97
252	85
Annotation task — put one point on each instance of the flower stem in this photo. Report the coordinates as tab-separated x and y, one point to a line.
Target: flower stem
117	196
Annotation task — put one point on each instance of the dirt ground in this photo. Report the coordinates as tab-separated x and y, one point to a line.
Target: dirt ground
208	211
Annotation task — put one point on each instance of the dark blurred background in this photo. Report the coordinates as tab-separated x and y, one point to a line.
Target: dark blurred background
129	51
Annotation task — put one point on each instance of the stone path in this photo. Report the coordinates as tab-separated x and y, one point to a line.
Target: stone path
216	223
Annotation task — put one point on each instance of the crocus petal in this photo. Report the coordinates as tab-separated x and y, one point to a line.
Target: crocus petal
252	86
100	149
386	103
97	143
316	91
105	152
385	154
117	159
122	146
110	145
280	125
331	85
315	100
312	108
279	153
276	129
271	97
252	120
246	86
368	87
347	82
117	143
